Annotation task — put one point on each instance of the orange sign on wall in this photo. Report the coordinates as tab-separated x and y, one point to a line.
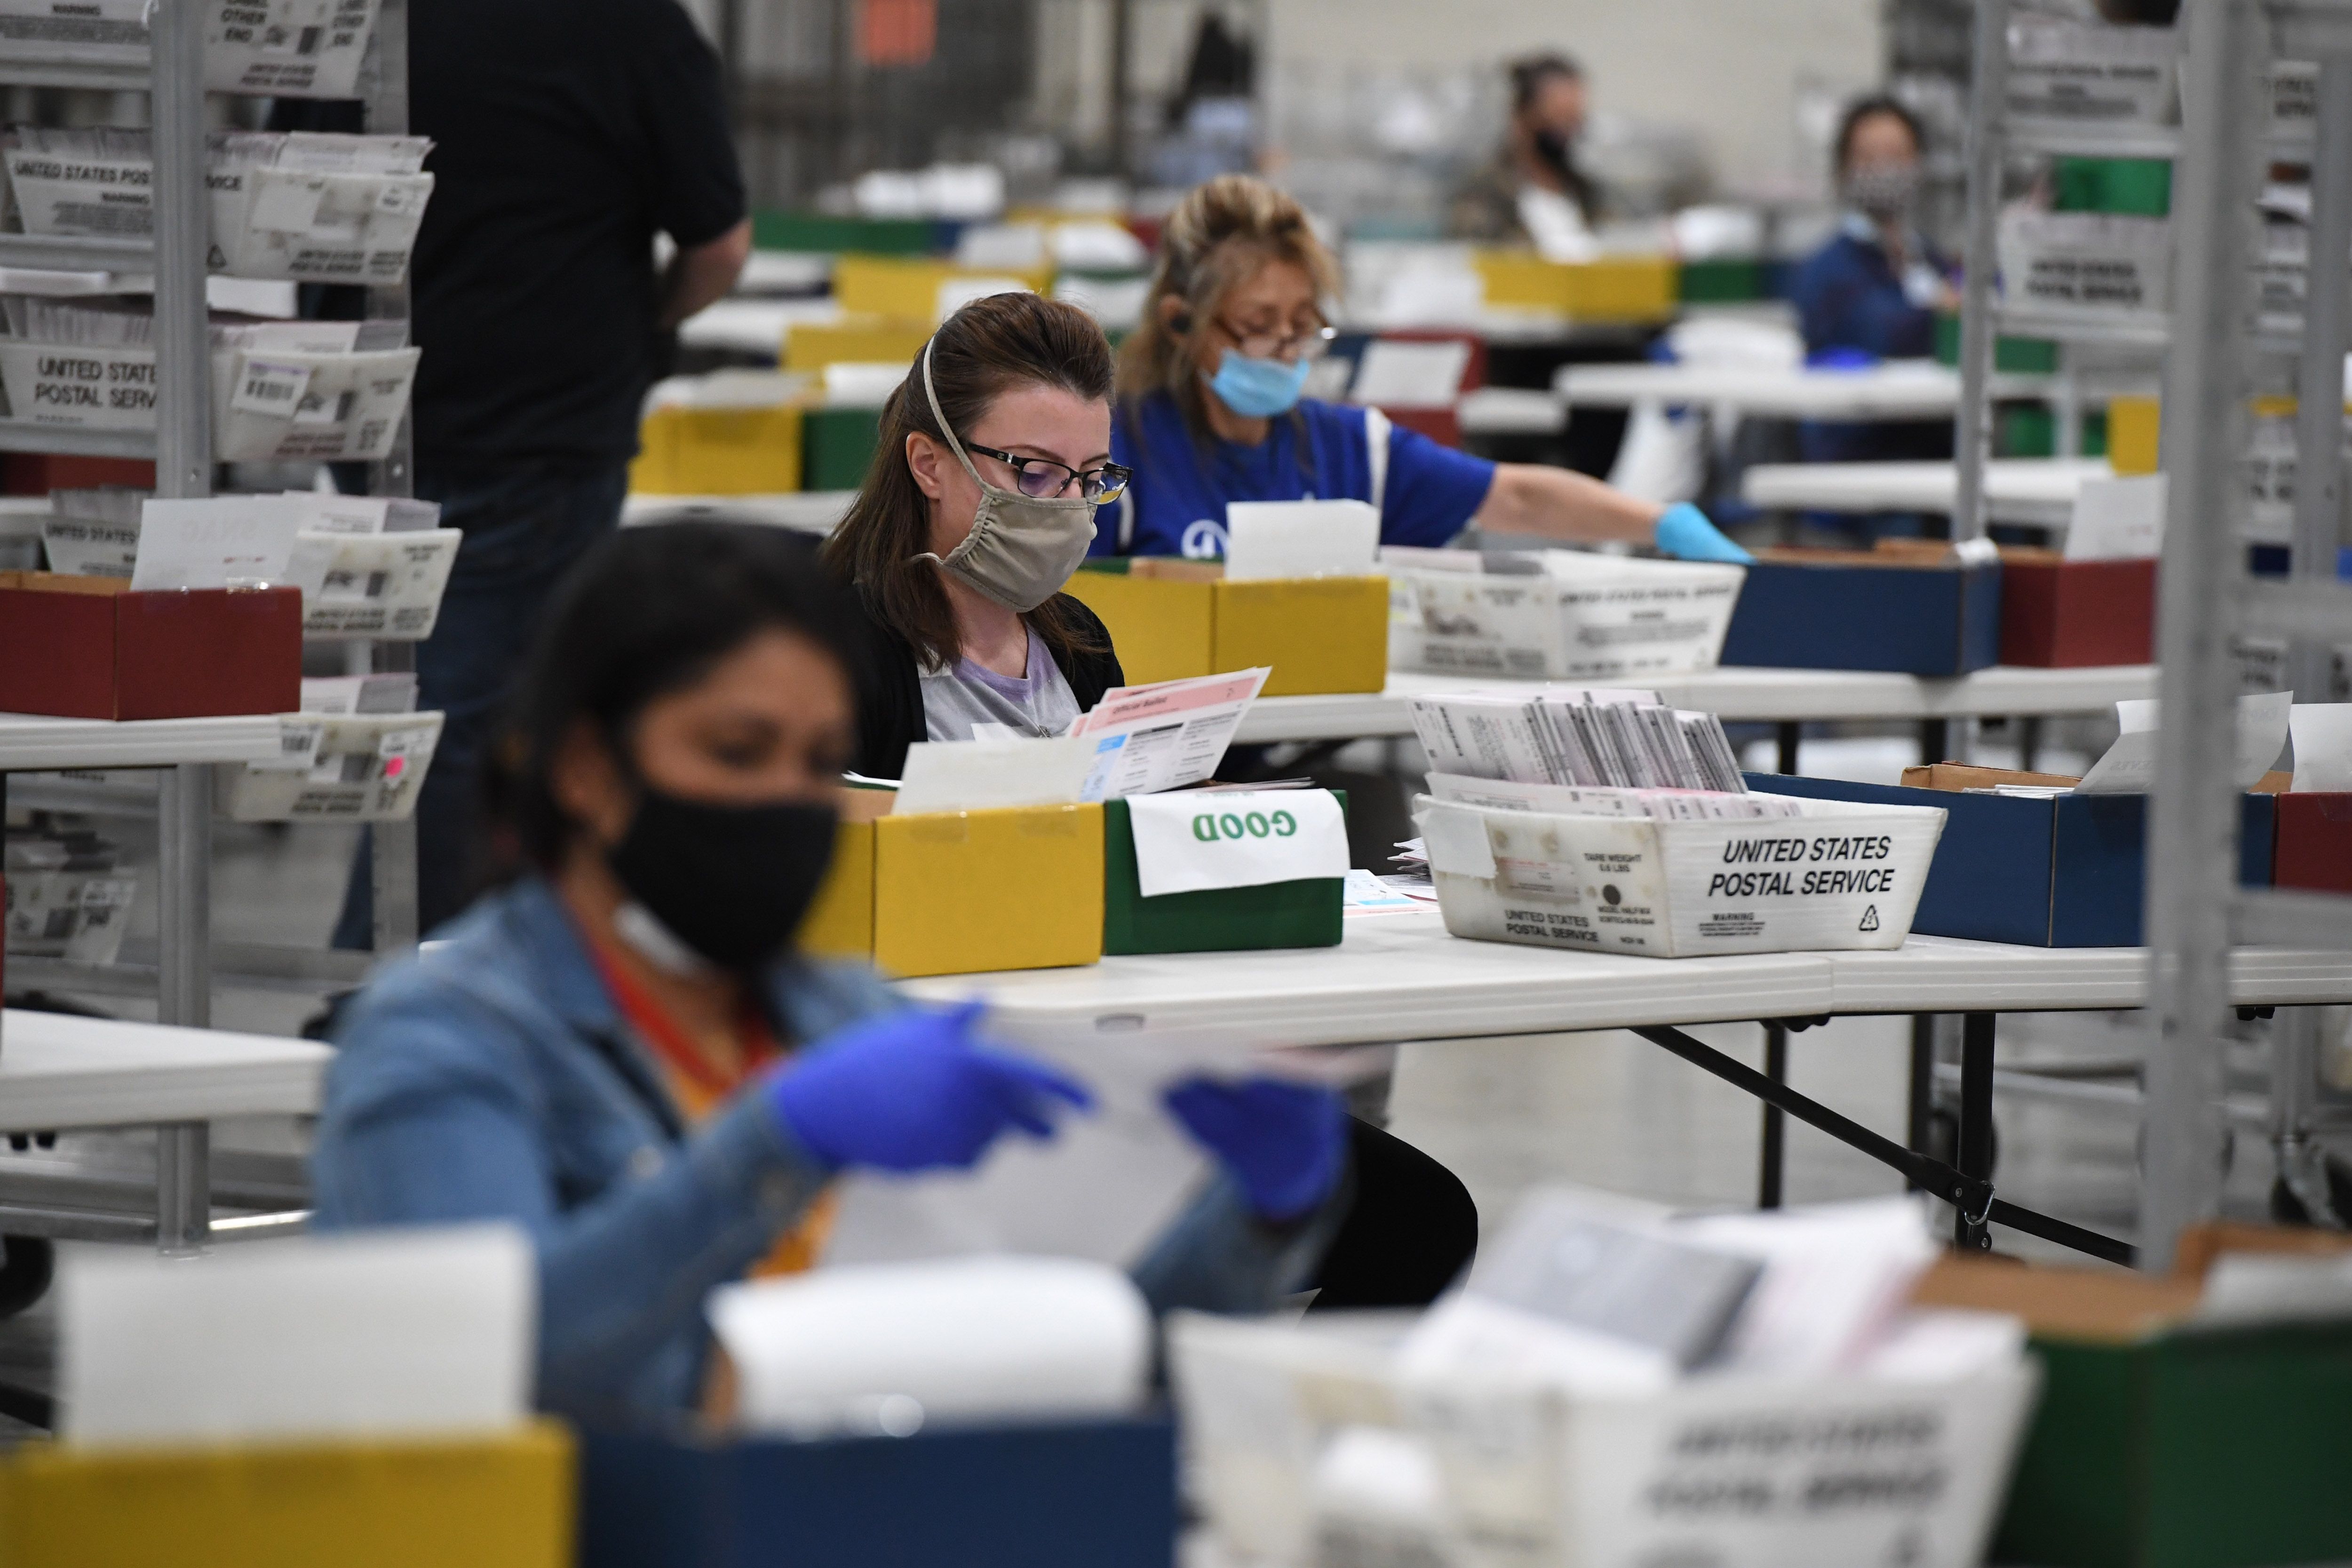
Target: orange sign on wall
898	32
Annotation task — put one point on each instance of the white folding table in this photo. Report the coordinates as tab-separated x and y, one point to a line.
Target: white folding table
1400	976
1785	697
61	1073
2036	491
1896	389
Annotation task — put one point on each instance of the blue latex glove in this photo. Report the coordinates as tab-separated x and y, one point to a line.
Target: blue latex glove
1285	1143
1685	534
914	1090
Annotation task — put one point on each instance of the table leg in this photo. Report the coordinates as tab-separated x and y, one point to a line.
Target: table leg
1975	1234
184	1187
1776	1120
1790	735
2029	744
1921	1109
1935	741
184	929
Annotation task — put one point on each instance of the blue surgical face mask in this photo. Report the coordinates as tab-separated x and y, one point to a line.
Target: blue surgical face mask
1258	388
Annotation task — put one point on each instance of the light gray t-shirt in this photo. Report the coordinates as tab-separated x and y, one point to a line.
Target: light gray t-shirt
965	694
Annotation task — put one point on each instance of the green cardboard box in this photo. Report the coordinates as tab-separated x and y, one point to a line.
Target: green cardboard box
1303	913
837	446
2188	1449
2159	1445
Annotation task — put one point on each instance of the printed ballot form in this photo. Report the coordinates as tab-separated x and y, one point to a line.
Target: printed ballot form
1164	736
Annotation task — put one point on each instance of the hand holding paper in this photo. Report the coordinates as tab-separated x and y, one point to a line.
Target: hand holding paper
915	1091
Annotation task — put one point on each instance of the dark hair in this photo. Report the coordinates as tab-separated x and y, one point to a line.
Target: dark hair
645	613
1531	74
1863	109
985	349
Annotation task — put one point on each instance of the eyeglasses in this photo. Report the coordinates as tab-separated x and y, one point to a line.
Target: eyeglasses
1276	343
1041	477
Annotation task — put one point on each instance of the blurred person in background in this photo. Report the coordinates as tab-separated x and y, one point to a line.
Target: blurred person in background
1211	411
623	1053
566	135
1533	192
1875	291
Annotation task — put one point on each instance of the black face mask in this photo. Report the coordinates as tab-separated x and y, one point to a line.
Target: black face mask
1552	147
732	882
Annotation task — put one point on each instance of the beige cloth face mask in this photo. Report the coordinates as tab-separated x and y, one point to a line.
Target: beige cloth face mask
1021	549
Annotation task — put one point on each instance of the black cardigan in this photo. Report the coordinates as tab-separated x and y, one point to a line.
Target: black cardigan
890	687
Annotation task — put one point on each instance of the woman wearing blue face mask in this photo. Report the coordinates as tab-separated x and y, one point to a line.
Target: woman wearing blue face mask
1212	411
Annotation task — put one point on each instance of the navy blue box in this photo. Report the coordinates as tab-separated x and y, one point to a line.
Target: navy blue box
1077	1495
2065	871
1838	613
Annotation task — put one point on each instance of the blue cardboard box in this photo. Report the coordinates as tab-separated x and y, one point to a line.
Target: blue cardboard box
1892	609
1097	1494
2062	872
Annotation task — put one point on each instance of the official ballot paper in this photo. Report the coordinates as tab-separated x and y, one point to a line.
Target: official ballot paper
1166	735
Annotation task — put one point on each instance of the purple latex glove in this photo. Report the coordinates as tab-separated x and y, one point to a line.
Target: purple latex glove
915	1091
1285	1143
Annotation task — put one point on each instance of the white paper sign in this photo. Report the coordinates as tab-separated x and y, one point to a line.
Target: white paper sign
986	775
406	1333
2117	519
1455	838
2130	766
1301	539
213	543
1393	375
1235	839
2323	746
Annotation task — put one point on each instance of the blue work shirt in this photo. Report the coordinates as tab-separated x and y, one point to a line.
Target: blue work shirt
493	1078
1175	505
1849	296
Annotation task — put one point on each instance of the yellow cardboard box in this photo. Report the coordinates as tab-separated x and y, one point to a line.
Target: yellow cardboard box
855	339
2131	426
907	287
1615	289
689	451
961	892
1170	619
503	1502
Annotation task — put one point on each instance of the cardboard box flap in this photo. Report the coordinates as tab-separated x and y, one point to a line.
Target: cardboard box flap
1174	569
61	582
2200	1245
2102	1306
1958	776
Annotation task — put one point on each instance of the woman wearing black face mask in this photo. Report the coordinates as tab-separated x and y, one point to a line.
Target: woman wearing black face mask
621	1053
1534	193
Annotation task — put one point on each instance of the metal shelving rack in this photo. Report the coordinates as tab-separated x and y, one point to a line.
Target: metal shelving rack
2195	909
180	970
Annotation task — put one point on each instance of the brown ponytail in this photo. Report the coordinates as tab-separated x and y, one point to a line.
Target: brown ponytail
980	353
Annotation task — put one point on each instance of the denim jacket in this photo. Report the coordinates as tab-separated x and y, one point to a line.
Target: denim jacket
493	1078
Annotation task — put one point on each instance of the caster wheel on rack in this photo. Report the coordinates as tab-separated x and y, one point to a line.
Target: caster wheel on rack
2288	1209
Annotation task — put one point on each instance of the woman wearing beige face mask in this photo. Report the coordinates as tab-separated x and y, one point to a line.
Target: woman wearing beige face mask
994	453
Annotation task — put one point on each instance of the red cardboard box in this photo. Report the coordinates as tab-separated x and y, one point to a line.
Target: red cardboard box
2057	614
89	648
2313	850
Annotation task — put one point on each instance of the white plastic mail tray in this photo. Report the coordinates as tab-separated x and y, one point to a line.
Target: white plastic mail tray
1841	876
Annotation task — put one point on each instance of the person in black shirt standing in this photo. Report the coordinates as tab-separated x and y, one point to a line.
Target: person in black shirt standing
566	134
